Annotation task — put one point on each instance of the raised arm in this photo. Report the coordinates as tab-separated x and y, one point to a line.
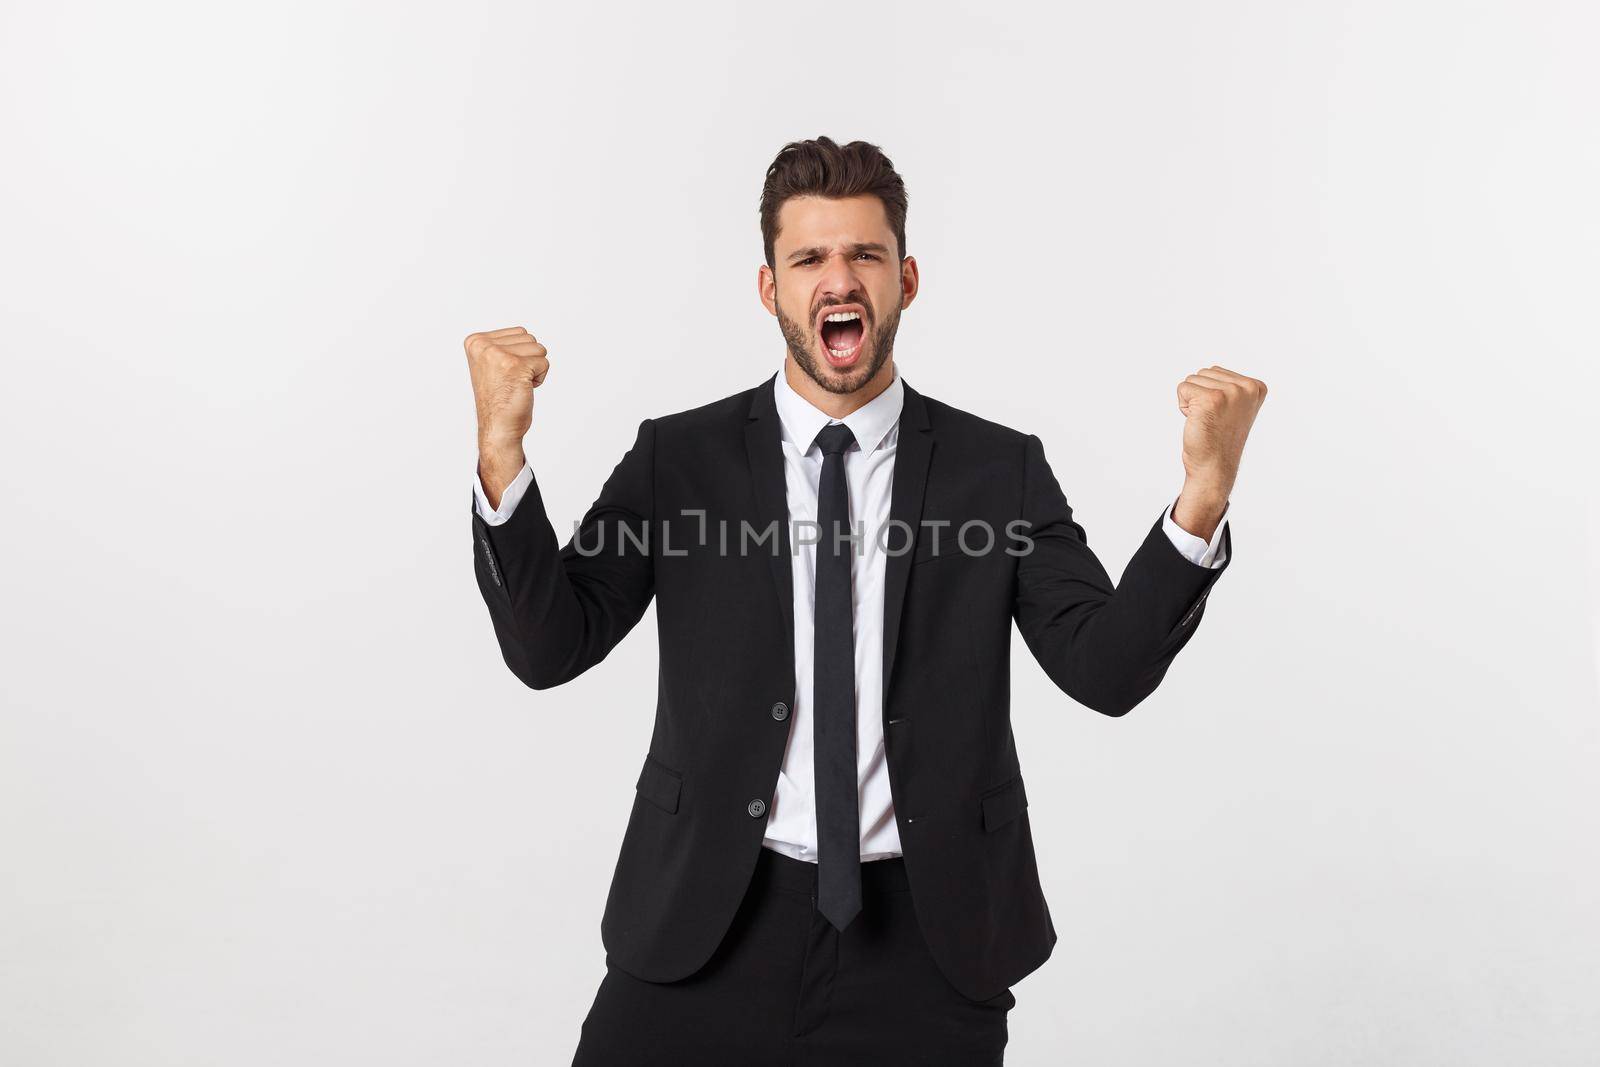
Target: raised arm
1107	646
557	611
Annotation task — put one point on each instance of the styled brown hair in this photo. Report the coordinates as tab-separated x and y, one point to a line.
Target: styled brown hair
822	167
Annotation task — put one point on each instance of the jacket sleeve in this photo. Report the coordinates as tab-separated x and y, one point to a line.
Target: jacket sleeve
558	612
1106	647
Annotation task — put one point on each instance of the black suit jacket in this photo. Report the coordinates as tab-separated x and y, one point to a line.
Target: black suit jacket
725	620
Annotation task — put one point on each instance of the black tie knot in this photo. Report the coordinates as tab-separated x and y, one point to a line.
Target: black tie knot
835	439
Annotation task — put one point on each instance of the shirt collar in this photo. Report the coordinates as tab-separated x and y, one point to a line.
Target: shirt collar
871	423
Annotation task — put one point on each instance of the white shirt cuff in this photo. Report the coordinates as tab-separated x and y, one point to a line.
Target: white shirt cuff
1201	553
513	495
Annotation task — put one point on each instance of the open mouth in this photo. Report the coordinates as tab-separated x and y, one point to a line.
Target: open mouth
842	328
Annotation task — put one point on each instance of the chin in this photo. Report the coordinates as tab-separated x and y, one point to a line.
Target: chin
842	375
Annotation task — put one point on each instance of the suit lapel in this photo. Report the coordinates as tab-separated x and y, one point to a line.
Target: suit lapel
912	456
763	444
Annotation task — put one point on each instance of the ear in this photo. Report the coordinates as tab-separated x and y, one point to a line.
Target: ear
768	284
910	282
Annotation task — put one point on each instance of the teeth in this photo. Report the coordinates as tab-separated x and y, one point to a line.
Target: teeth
843	316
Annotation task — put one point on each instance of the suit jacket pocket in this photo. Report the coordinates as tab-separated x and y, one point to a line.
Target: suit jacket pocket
1003	803
660	784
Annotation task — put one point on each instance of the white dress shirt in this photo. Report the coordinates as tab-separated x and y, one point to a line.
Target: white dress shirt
869	471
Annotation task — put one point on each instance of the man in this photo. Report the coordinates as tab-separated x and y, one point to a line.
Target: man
829	858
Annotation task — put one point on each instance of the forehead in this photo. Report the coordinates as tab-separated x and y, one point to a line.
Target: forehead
817	220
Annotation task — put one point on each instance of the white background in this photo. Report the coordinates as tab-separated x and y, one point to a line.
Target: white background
268	794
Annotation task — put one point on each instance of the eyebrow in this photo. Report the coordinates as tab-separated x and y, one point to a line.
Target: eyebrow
818	250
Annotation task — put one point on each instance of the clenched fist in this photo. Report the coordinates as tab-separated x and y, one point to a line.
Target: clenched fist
507	366
1219	407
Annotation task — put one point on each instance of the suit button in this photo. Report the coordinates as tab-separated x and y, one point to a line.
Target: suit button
780	711
756	808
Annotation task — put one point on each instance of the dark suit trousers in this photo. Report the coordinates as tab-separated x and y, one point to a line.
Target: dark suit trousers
785	989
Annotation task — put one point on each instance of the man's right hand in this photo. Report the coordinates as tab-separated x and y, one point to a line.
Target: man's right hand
507	366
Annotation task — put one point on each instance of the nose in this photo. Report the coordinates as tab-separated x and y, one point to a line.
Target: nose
838	283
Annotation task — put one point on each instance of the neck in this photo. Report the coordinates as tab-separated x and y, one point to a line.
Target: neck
837	405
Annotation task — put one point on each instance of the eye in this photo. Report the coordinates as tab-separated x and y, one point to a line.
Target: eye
808	259
869	255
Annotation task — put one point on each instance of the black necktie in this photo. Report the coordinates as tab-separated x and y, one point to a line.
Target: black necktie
834	693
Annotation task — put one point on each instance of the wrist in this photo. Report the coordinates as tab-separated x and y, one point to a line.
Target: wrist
497	437
1199	508
1209	484
499	463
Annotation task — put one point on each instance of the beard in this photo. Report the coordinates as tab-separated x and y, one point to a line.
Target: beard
804	345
